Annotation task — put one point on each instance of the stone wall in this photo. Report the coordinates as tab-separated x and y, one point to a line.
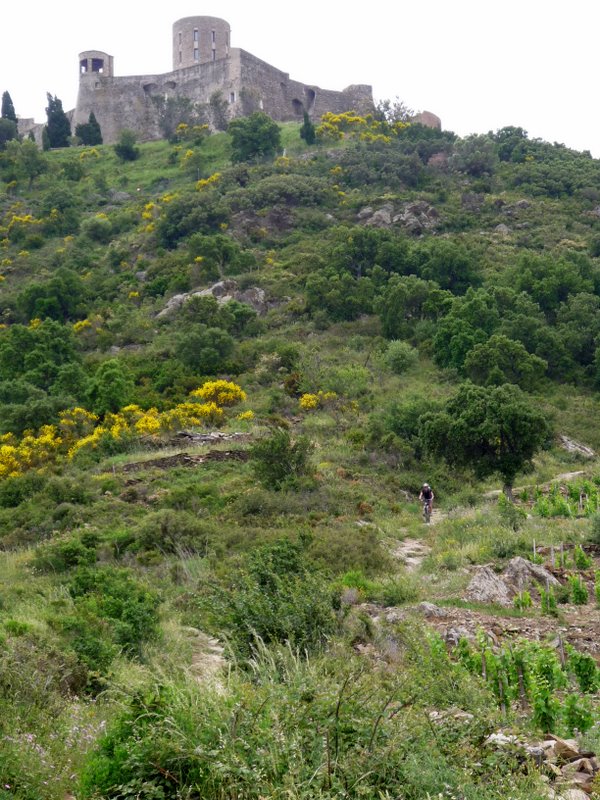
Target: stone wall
247	84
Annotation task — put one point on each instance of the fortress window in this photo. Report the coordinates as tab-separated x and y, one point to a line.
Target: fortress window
214	55
179	37
195	34
195	54
83	66
98	65
180	57
232	97
213	38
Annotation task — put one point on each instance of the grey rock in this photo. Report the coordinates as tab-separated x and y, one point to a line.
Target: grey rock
382	218
224	291
502	228
452	636
575	794
487	587
431	610
418	217
365	213
521	574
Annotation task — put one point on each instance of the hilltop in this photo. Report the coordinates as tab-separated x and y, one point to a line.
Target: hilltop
223	381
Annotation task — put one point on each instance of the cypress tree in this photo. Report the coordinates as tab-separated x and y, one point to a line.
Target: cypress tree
8	109
307	130
58	127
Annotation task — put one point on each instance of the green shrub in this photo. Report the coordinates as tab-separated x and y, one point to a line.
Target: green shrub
511	515
98	228
579	592
125	147
279	461
522	601
277	597
169	531
62	555
582	561
400	356
117	609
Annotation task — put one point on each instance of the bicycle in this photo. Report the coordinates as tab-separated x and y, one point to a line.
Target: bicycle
427	511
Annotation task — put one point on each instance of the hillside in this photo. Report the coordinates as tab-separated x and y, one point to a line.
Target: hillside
222	385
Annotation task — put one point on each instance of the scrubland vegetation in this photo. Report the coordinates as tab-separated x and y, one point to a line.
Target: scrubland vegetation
192	615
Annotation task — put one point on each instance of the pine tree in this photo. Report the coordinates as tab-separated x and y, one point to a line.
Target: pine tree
58	127
8	109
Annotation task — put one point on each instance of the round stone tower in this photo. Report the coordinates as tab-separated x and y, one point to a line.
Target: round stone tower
199	40
95	62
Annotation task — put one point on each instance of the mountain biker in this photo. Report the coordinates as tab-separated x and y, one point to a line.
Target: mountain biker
426	495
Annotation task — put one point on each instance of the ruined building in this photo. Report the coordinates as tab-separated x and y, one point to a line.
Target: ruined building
203	63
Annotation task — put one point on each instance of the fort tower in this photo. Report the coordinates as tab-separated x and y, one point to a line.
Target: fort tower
199	40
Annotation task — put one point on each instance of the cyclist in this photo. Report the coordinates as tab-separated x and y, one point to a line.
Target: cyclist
426	495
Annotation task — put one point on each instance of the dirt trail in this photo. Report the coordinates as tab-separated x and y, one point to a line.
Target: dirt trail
208	662
564	476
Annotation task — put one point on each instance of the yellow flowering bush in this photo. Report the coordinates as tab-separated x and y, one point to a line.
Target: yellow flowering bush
79	429
224	393
204	183
308	402
350	124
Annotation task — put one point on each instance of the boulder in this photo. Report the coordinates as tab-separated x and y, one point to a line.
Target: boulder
502	228
223	292
565	749
418	217
487	587
571	446
382	218
575	794
521	574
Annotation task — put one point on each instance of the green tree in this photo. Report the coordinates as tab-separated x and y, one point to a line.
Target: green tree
254	138
125	148
408	300
502	360
89	132
8	110
476	155
8	131
204	349
58	126
307	130
111	387
488	429
27	159
447	263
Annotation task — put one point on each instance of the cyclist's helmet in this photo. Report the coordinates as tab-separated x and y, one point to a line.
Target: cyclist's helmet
426	486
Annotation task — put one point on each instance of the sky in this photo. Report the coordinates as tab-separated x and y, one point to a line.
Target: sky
477	64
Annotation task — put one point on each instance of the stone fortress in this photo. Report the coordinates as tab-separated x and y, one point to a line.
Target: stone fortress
203	63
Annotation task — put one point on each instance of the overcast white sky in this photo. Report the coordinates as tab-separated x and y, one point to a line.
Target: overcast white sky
478	65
